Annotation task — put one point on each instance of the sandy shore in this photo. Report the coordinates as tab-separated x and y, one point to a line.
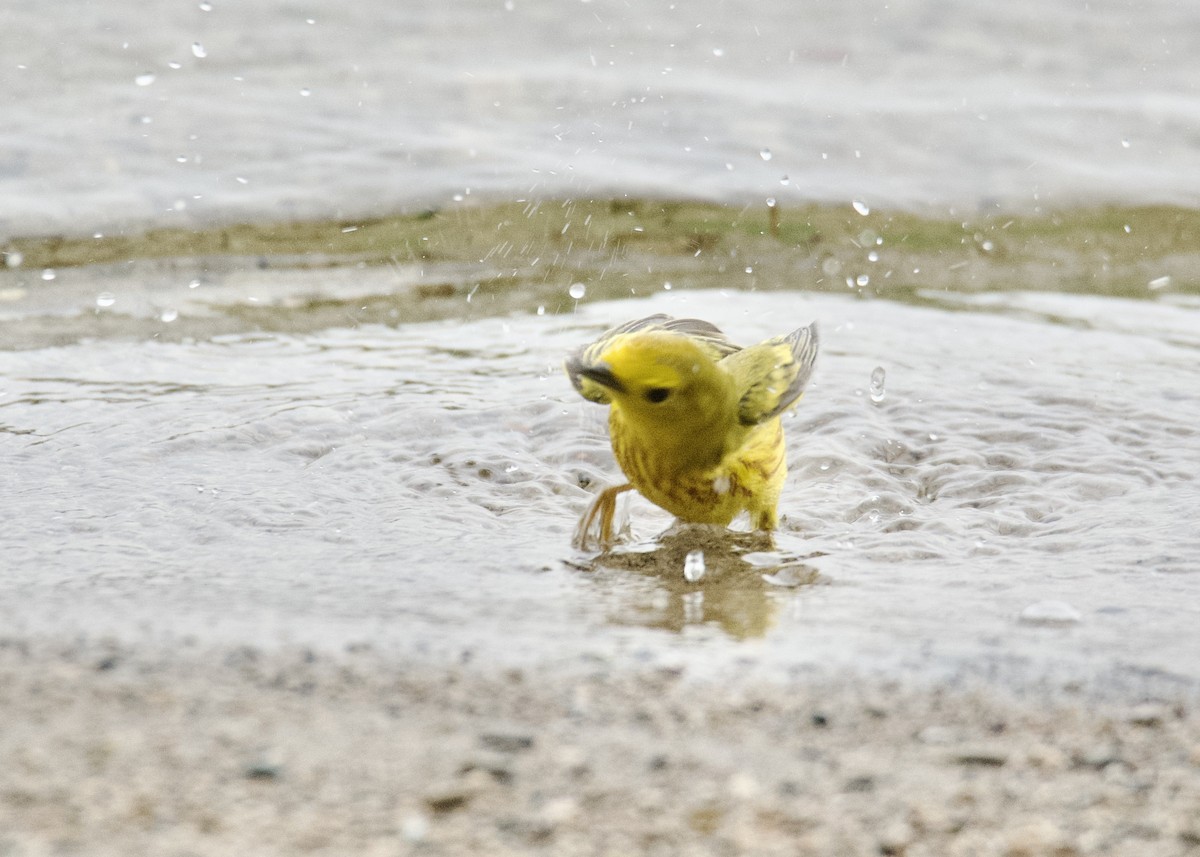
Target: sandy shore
112	750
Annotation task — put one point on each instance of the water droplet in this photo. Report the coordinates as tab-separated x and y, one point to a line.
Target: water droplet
765	154
749	269
305	92
105	299
1160	282
667	286
169	315
1127	229
48	274
693	566
541	310
1050	613
878	377
861	207
145	79
577	290
862	280
1124	144
770	202
718	52
241	180
198	50
194	284
824	466
175	65
13	258
873	256
206	7
785	181
181	159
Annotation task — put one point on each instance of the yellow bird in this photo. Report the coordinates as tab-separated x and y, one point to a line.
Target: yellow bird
693	418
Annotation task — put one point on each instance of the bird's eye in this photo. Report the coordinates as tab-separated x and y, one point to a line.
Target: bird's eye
657	394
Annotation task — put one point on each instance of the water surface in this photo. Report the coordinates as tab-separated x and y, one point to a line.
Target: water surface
415	487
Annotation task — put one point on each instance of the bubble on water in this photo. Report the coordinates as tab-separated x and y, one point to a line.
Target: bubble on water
1160	282
577	290
693	566
48	274
824	466
765	154
1050	613
198	50
861	207
145	78
13	258
878	378
169	315
105	299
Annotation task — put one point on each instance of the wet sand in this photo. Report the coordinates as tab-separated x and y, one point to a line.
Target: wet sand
178	750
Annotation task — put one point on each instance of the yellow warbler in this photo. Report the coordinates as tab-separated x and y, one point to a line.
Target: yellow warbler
693	418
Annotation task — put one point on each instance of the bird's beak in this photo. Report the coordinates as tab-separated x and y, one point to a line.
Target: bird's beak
603	375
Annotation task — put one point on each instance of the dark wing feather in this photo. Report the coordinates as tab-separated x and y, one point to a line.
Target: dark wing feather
774	373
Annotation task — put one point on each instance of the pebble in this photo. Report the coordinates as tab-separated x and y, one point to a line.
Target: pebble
895	839
414	828
1050	614
1148	714
506	742
983	755
449	797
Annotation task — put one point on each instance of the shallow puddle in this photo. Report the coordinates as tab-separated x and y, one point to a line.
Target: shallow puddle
414	488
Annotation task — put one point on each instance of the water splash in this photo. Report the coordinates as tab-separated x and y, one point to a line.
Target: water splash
878	378
693	566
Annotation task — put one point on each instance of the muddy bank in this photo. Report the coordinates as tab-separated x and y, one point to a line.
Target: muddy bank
115	750
545	256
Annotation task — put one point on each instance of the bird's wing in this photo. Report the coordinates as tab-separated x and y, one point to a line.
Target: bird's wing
707	335
772	375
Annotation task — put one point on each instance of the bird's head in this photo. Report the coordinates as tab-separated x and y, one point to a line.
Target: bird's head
654	377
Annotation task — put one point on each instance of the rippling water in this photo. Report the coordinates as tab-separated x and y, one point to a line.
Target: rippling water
416	487
189	112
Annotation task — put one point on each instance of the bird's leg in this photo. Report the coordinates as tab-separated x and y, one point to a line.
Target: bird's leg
603	507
